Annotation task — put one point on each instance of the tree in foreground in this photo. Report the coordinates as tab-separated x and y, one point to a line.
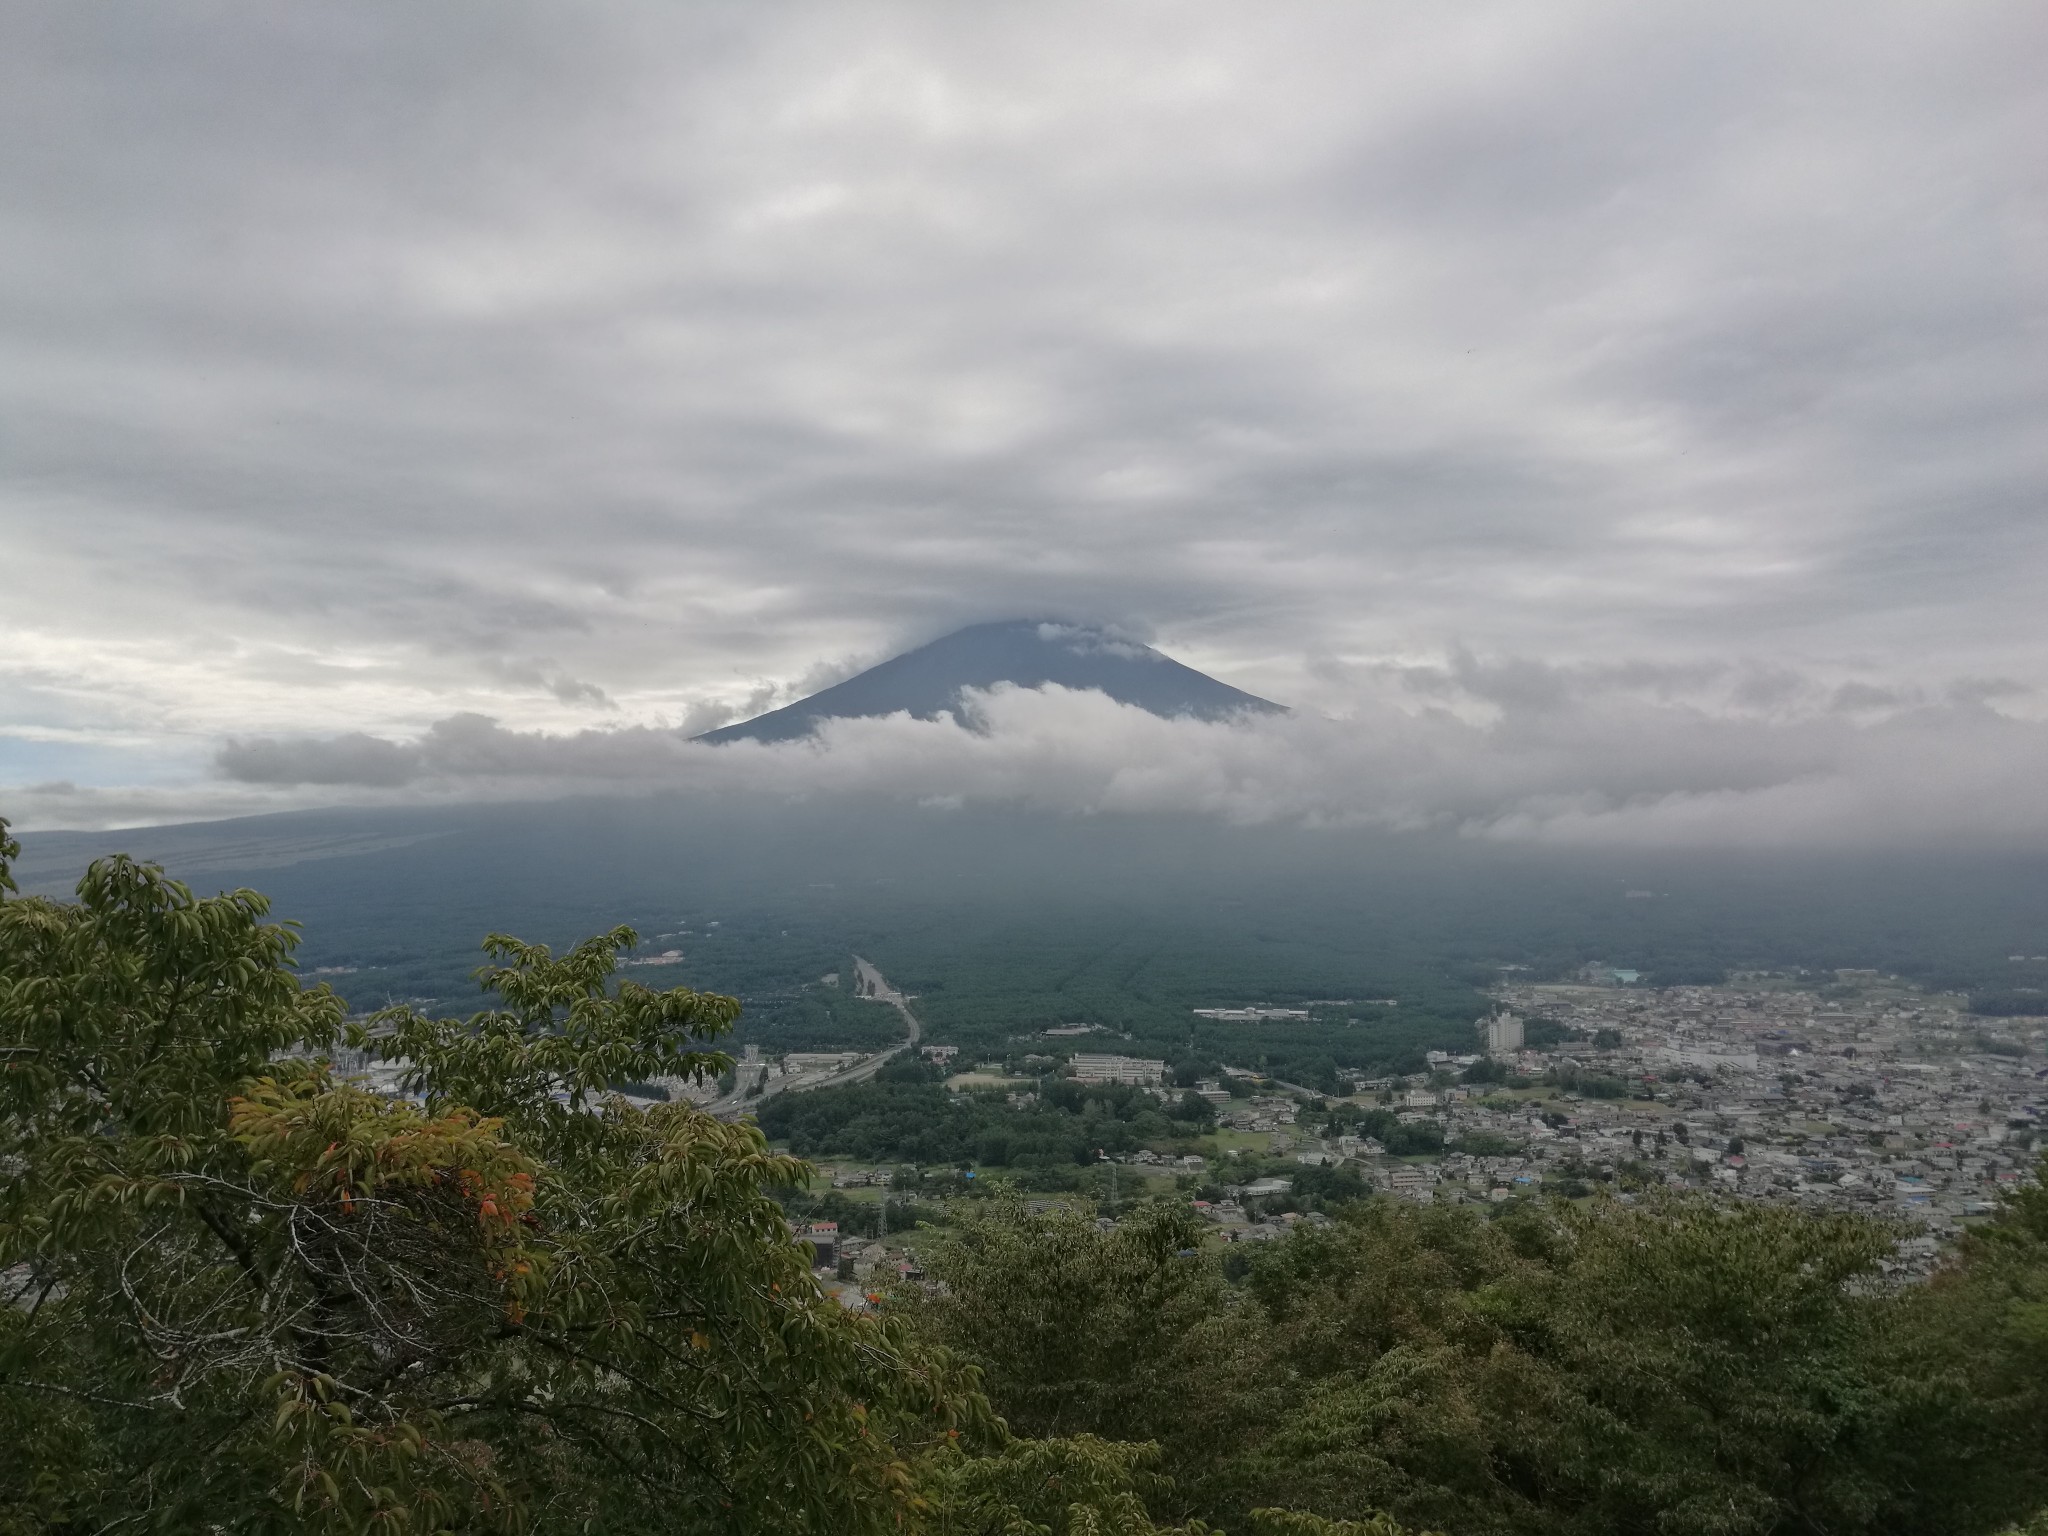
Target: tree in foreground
239	1292
242	1293
1694	1367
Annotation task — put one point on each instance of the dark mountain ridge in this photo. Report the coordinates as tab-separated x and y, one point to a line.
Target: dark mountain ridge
1029	653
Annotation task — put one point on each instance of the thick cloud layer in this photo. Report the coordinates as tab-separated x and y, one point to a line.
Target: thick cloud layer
626	369
1578	758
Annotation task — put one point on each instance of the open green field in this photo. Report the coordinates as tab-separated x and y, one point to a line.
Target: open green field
1226	1140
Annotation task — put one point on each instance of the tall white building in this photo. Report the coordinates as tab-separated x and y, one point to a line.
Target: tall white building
1503	1034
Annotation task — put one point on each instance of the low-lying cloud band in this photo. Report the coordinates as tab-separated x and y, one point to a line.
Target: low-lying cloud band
1540	762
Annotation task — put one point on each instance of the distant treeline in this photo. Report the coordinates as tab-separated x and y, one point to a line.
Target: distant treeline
1005	923
2009	1005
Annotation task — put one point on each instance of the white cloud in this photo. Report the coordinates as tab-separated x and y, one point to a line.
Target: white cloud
1589	760
648	364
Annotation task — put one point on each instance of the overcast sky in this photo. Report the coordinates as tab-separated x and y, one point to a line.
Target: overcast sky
1627	407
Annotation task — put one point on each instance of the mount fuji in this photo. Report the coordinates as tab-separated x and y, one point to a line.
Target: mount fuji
1029	653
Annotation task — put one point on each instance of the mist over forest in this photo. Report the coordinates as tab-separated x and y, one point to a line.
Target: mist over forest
1034	916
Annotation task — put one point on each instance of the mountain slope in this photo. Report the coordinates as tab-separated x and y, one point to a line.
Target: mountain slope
927	682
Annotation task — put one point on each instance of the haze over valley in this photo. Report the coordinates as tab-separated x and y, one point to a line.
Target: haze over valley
895	769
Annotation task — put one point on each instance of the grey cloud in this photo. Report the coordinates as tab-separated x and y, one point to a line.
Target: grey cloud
354	758
822	675
1614	771
1982	690
1593	767
460	747
570	691
707	716
1853	696
1086	641
541	675
1524	689
1769	687
684	346
92	808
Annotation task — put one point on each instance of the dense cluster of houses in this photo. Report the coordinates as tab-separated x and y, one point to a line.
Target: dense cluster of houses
1861	1094
1847	1093
1873	1098
1865	1094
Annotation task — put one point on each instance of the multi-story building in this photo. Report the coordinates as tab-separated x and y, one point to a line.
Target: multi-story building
1118	1069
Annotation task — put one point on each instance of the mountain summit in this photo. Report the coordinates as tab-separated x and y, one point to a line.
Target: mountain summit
928	681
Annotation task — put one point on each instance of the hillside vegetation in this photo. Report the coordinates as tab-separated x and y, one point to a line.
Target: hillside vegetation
1006	922
241	1293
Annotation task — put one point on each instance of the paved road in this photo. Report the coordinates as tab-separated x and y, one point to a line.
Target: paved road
869	983
1314	1093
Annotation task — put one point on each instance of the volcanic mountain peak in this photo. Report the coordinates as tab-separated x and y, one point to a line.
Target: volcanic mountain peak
1030	653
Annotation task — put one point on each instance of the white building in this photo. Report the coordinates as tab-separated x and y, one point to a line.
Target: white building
1503	1034
1710	1057
1118	1069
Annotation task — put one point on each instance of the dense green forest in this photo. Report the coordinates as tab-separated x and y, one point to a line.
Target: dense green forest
906	1116
242	1293
1043	1133
1004	923
1687	1366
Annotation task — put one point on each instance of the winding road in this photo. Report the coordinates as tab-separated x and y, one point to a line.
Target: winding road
869	983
